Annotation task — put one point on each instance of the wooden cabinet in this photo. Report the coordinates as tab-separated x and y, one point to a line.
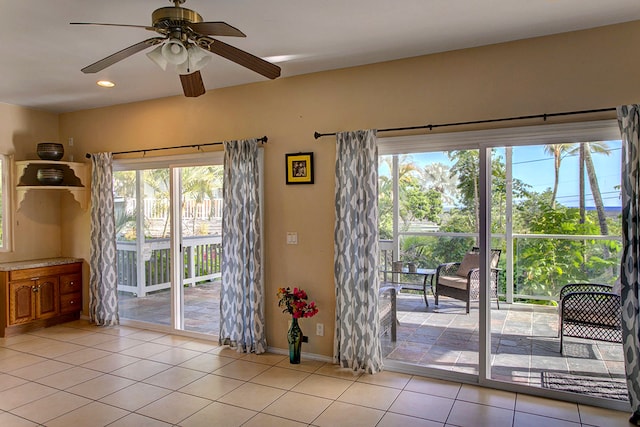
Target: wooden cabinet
70	292
40	295
33	299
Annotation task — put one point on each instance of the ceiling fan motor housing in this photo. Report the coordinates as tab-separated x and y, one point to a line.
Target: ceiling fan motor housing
174	18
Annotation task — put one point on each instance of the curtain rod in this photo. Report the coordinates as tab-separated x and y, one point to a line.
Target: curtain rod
264	140
317	135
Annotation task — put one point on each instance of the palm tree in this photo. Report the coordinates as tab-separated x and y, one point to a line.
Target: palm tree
466	169
406	176
437	176
199	183
603	148
558	151
584	151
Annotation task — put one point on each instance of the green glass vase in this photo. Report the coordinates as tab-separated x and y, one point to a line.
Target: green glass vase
294	336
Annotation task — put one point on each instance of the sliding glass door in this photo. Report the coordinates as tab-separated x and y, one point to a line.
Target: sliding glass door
200	230
542	204
169	234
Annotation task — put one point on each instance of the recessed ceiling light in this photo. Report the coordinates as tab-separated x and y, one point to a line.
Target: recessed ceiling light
105	83
282	58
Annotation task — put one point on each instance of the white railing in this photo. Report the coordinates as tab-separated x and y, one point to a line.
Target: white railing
521	282
191	209
204	209
151	272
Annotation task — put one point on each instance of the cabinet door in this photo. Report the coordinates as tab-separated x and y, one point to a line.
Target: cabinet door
47	297
21	302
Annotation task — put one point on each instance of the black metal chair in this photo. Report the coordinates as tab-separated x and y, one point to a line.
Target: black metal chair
589	310
461	280
387	311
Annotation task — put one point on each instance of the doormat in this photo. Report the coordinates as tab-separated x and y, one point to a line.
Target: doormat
592	386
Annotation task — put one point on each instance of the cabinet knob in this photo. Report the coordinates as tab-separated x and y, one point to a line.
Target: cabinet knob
71	282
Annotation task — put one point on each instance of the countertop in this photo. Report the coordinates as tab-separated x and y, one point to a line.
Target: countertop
35	263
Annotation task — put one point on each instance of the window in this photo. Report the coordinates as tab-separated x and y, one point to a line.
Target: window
5	205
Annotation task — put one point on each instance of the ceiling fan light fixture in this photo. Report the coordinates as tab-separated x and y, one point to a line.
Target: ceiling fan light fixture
174	52
197	59
156	56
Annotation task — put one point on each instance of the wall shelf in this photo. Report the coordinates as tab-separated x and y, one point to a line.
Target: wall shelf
74	179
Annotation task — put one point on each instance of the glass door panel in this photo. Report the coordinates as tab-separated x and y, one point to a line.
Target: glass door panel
428	211
562	206
201	243
143	234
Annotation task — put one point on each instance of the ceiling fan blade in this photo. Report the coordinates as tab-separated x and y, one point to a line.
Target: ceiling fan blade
241	57
216	29
123	54
192	84
146	27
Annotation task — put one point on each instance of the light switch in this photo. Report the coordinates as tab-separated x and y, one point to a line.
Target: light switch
292	238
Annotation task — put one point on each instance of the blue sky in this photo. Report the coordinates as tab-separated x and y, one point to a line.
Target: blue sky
532	165
535	167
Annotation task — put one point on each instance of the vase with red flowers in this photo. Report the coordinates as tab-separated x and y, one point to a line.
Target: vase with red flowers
295	303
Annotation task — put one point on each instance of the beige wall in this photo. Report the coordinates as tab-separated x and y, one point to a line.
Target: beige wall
36	224
573	71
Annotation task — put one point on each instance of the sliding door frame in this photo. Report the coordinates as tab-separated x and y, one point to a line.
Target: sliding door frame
173	164
485	141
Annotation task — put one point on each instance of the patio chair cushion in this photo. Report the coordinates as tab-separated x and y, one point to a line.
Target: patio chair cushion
453	282
470	261
495	258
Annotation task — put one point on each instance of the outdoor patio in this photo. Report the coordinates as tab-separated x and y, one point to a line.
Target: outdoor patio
525	346
201	308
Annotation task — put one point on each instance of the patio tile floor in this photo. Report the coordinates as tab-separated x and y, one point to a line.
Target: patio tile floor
524	342
524	336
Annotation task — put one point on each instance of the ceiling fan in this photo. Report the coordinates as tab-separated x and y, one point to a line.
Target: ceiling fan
185	42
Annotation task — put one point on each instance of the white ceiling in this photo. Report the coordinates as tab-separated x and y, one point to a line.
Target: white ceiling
42	54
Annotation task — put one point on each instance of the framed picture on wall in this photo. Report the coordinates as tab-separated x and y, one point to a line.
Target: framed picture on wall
299	168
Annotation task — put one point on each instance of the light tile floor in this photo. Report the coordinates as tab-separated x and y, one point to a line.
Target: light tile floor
82	375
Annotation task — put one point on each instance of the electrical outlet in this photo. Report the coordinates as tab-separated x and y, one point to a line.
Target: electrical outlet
320	329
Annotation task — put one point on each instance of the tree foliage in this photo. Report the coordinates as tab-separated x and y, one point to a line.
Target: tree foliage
542	265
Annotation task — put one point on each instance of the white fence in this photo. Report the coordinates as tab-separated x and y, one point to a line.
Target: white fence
151	271
191	209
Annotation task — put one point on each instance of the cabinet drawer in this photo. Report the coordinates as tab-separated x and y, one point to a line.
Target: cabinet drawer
70	283
30	273
70	303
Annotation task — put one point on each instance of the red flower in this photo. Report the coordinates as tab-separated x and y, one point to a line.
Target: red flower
295	303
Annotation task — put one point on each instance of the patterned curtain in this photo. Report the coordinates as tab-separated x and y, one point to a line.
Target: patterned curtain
629	121
242	293
103	295
357	338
